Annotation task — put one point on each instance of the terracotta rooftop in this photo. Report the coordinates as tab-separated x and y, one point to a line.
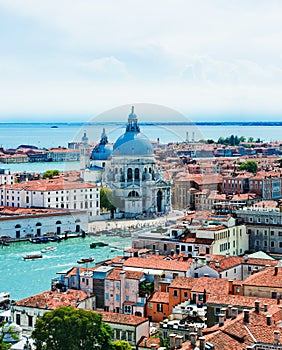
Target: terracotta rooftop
266	278
52	300
157	262
159	297
115	274
130	320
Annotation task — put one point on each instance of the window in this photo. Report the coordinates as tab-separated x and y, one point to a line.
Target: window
175	293
159	307
274	295
185	294
107	296
127	309
18	319
30	319
117	297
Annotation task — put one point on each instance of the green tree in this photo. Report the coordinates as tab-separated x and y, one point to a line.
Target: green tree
250	166
121	345
106	200
67	328
49	174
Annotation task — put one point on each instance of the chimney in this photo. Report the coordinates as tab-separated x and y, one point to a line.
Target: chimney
276	337
216	263
265	307
229	313
227	255
230	286
193	338
157	252
202	343
172	340
275	270
220	320
178	341
208	259
157	282
223	311
200	331
246	258
246	316
257	304
234	312
268	320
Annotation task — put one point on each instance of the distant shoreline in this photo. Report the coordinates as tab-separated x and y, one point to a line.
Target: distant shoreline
225	123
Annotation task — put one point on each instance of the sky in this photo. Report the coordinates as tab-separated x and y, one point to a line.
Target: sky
71	60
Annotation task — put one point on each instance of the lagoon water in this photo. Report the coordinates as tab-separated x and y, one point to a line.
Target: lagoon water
23	278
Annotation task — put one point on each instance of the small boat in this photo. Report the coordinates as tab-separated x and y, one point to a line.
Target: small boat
32	256
48	249
4	243
85	260
35	240
98	244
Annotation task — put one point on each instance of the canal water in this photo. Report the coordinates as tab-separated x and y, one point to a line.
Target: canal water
23	278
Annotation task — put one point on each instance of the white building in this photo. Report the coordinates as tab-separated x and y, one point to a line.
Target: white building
28	222
6	178
53	193
130	170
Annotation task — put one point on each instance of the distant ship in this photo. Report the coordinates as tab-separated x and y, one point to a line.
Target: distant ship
54	127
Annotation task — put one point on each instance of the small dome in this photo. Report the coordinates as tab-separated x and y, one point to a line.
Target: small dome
101	152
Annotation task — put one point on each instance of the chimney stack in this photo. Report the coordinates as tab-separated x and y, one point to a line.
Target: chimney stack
172	340
276	337
246	316
193	338
229	312
265	307
216	263
230	286
220	320
268	320
257	306
178	341
202	343
275	270
246	258
234	312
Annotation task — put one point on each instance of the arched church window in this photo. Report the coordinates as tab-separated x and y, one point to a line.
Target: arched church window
150	170
136	174
133	194
129	174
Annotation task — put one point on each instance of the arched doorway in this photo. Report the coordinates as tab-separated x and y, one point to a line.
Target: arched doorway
38	229
18	231
159	200
58	230
77	226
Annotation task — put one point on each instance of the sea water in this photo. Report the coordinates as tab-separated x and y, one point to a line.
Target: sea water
23	278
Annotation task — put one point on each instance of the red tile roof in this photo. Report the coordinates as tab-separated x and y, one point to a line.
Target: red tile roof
52	300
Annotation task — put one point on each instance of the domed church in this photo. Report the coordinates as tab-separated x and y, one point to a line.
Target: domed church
129	169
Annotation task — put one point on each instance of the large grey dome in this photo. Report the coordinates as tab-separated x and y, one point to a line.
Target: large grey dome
133	142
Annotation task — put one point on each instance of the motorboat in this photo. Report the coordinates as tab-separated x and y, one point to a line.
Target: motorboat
85	260
33	256
48	249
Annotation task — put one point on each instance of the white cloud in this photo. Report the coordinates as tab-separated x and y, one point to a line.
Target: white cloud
199	56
